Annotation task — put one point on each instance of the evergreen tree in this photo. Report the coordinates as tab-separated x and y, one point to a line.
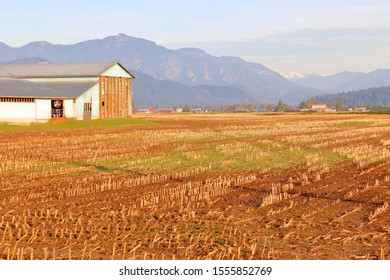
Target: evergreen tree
339	104
310	103
303	105
281	106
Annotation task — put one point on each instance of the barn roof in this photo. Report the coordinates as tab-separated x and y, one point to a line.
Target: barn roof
69	89
23	88
35	70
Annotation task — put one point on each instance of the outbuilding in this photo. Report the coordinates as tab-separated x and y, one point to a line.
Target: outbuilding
82	91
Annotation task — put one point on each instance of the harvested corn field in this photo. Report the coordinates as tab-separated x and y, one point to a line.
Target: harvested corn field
202	186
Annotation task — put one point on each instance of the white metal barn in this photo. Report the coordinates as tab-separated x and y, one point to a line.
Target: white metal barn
83	91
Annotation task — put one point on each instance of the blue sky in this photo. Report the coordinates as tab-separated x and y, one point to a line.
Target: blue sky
286	36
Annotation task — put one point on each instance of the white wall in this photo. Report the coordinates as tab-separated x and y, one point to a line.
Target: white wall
17	111
93	94
69	109
116	71
43	109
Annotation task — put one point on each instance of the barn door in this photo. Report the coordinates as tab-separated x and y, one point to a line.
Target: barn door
57	108
87	110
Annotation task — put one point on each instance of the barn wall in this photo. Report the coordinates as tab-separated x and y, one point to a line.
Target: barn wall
115	97
116	92
92	93
43	109
17	111
69	109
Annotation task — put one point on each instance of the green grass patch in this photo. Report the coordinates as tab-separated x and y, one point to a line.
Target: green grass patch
332	158
100	123
278	157
353	124
75	124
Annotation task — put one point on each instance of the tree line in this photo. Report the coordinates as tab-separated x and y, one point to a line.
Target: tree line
369	97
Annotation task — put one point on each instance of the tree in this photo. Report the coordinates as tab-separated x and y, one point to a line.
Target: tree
310	103
281	106
303	105
187	108
339	104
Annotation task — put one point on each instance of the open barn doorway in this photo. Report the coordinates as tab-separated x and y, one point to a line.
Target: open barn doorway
57	109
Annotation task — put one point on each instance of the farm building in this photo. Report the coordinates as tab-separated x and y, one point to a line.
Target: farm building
148	110
82	91
318	107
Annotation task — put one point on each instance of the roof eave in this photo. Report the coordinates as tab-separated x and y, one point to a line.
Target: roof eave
41	97
59	76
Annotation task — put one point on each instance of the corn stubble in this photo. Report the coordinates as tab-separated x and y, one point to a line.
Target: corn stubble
199	187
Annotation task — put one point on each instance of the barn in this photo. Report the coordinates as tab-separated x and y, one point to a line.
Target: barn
82	91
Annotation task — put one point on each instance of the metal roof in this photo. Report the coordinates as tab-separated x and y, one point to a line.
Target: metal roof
23	88
79	69
69	89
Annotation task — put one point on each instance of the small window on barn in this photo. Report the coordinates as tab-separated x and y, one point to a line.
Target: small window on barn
102	103
17	99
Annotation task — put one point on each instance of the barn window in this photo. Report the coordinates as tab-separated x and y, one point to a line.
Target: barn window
87	107
17	99
102	103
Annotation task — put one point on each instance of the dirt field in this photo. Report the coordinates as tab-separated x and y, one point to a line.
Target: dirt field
200	186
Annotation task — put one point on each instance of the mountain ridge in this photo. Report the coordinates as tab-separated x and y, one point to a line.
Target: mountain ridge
187	66
347	81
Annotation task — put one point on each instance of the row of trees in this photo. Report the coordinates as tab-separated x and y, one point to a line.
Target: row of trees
369	97
332	101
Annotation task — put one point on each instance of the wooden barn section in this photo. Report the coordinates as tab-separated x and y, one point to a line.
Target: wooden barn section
83	91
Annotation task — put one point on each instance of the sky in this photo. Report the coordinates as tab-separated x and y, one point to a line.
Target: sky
301	36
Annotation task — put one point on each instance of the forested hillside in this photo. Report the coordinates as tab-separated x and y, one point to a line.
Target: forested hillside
372	96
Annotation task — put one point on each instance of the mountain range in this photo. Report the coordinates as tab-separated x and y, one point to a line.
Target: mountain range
172	77
191	76
346	81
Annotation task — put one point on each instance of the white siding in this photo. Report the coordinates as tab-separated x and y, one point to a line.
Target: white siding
69	109
17	111
92	93
43	109
116	71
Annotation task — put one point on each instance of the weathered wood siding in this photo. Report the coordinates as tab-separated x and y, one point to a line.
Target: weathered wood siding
115	97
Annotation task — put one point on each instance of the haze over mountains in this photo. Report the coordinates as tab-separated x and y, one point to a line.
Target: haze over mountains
355	88
192	76
346	81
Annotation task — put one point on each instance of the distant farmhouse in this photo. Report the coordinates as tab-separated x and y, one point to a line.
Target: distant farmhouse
318	107
82	91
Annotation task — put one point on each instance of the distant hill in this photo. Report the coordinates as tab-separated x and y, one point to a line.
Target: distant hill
347	81
372	96
188	66
149	91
